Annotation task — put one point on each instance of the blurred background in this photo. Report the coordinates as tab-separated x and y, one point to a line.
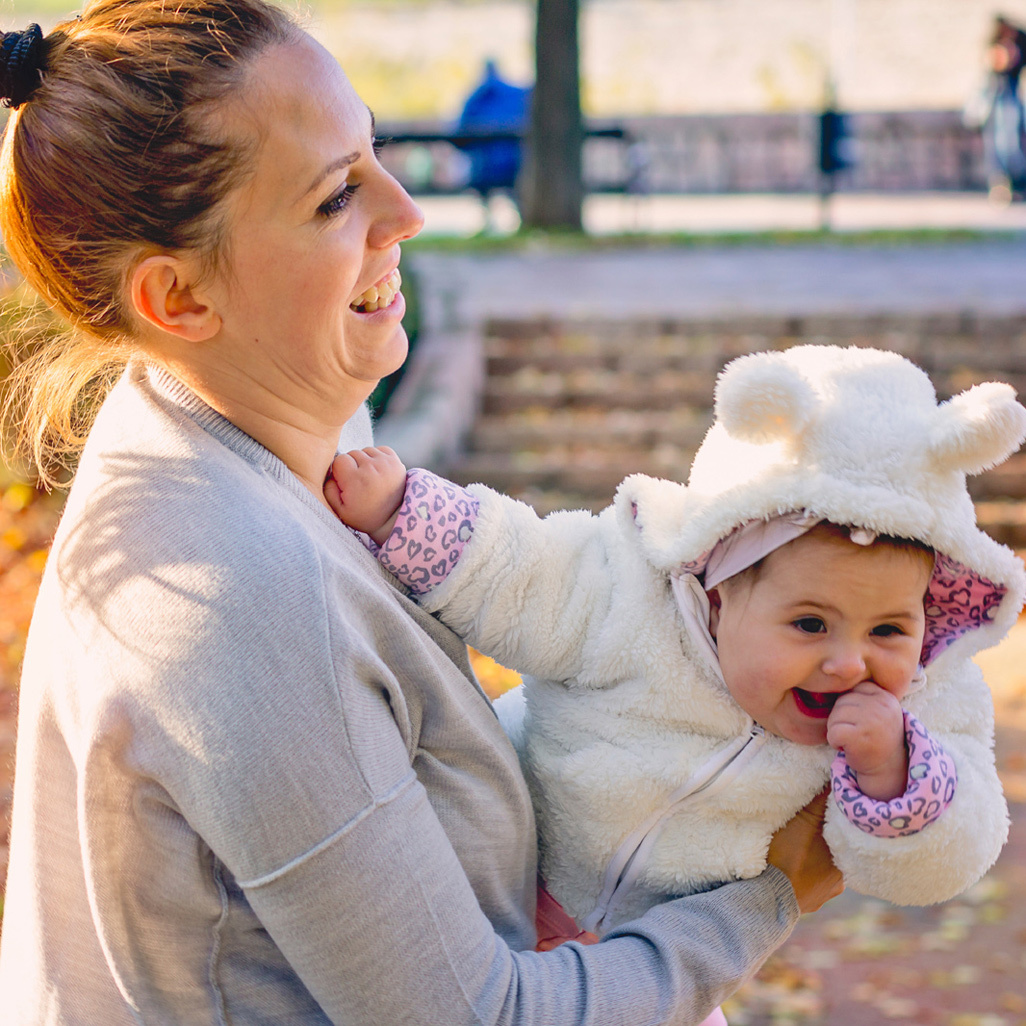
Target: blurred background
620	196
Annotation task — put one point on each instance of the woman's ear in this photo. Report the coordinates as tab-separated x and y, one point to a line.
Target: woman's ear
715	602
164	295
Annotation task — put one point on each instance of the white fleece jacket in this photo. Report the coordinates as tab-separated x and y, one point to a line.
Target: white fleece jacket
620	710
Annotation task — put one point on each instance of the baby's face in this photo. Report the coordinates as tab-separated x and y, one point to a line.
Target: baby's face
823	615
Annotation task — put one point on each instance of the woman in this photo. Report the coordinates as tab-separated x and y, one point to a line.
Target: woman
255	783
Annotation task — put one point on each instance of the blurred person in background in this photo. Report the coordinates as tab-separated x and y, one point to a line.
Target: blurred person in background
1003	123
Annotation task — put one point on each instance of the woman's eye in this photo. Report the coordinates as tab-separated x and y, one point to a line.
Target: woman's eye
810	625
338	202
379	145
886	630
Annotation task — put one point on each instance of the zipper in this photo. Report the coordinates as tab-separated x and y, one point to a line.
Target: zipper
719	771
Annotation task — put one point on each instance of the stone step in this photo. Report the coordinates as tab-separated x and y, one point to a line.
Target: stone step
598	427
991	343
602	460
638	361
549	374
580	473
679	375
995	348
702	351
1005	521
1007	481
596	470
571	408
529	389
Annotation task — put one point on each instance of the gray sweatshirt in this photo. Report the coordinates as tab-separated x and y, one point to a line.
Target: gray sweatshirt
256	784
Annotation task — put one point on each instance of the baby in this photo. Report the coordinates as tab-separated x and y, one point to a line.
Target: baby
704	659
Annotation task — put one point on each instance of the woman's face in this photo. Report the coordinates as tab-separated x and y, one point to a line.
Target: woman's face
311	231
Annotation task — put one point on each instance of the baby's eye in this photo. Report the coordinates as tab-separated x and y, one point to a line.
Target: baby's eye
810	625
886	630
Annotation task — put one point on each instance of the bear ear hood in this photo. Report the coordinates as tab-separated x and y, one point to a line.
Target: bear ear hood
977	429
762	401
851	435
788	397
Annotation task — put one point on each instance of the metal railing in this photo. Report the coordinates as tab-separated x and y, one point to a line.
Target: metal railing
772	153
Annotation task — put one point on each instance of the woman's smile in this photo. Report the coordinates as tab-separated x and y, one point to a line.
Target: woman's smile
380	296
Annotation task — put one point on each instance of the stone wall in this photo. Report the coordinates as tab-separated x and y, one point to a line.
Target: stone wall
892	151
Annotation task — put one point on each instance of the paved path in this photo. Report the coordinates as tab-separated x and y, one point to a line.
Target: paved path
987	276
749	212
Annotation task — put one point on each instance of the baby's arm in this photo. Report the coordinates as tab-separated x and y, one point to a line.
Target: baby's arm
868	725
886	849
366	489
890	778
520	589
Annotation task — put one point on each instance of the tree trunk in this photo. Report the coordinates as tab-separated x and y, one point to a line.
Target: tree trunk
552	189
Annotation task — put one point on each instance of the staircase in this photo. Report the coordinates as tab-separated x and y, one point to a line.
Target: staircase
571	407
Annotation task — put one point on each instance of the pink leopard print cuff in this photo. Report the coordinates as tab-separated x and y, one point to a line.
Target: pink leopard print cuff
434	524
929	791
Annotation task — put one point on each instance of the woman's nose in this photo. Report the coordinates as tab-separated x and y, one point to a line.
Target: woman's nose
397	217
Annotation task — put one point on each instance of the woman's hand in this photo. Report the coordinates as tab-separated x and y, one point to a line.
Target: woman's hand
798	849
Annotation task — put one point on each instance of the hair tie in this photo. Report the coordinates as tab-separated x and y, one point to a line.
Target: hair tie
21	61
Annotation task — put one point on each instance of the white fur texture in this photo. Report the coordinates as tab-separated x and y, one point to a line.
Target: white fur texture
619	710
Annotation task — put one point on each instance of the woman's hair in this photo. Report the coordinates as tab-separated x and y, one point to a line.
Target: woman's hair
115	150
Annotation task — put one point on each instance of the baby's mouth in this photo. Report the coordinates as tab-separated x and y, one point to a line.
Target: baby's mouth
817	704
377	297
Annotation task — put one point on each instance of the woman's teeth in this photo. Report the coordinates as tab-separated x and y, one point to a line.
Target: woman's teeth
377	297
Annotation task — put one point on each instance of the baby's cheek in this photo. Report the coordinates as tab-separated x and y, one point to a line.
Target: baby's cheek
897	675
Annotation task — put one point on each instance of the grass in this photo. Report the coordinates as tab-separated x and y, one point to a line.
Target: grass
572	241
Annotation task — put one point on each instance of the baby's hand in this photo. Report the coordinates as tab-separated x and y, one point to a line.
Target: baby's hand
868	723
366	489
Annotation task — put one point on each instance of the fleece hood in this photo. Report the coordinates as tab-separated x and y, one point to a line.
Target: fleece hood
855	436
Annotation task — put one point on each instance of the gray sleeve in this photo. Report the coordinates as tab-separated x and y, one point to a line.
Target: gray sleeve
362	891
382	927
379	921
294	770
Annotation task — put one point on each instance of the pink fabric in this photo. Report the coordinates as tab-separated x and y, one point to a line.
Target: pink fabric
750	543
932	780
554	926
958	600
435	522
715	1018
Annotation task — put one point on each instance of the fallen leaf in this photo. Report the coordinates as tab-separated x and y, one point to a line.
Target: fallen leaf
898	1007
